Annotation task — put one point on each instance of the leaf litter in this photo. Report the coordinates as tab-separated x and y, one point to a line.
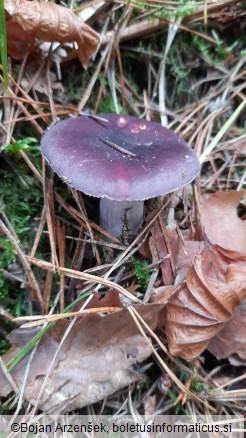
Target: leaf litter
48	22
193	315
210	279
204	303
96	359
231	341
185	256
220	211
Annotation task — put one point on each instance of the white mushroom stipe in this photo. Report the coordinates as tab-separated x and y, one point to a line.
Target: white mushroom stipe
117	217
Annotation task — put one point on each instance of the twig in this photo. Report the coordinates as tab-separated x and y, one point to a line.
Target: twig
93	116
118	148
84	276
8	376
43	319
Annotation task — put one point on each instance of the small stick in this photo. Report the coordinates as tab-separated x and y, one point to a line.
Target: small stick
118	148
93	116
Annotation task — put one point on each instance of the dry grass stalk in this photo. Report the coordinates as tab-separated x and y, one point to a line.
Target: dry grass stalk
84	276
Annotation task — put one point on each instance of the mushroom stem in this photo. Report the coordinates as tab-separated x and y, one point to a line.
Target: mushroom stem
117	216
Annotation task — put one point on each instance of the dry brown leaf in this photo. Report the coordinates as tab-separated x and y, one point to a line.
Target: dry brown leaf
158	248
231	341
240	146
149	402
110	299
182	252
221	223
28	20
185	257
163	294
19	42
96	359
214	286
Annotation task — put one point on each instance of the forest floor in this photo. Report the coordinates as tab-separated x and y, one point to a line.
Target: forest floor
182	348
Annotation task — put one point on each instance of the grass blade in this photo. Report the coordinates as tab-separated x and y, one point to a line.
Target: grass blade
28	347
222	131
3	46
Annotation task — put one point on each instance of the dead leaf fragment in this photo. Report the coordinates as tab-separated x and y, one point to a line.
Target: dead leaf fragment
240	146
221	223
181	251
159	249
149	405
205	302
48	22
231	341
96	359
19	42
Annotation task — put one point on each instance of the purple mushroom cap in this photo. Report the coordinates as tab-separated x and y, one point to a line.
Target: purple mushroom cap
80	151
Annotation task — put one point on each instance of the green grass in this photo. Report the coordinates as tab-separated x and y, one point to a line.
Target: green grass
3	46
28	144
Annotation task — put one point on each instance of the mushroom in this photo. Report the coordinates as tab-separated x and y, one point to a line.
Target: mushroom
121	159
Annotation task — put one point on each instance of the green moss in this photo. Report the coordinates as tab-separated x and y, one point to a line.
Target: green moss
141	271
20	200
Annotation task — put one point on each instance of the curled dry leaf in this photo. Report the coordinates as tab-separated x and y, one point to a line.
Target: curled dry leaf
231	341
215	285
221	223
19	42
28	20
96	359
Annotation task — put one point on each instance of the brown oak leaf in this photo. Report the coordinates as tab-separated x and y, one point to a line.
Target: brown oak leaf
221	222
231	341
215	284
29	20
